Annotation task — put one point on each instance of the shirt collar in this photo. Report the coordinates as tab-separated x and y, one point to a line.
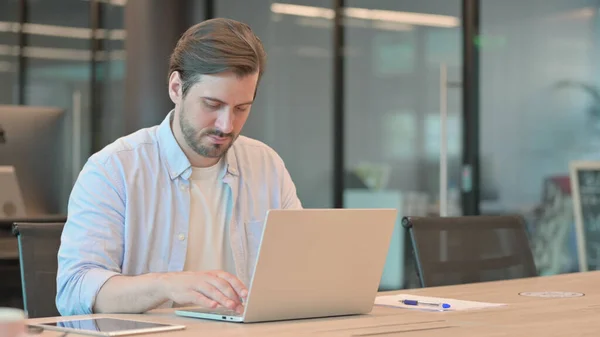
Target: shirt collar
176	160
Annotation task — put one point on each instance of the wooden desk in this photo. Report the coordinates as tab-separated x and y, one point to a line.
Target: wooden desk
523	316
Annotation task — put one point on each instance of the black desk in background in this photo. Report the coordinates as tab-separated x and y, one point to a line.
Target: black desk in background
6	223
8	242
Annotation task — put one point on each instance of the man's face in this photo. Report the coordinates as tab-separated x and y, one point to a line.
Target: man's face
214	111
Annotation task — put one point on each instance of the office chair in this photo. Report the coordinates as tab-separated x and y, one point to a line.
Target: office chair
38	250
468	249
7	223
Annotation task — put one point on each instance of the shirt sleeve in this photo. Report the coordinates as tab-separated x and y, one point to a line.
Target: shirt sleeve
289	194
91	249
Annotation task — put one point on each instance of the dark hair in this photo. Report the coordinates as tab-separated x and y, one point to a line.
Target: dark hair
215	46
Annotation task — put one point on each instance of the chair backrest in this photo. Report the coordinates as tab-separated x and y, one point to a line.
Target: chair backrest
468	249
38	250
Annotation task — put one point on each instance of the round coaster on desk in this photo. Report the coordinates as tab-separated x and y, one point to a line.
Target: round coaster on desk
552	294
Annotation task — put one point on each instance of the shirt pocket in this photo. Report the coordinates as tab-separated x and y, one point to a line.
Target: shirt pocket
254	230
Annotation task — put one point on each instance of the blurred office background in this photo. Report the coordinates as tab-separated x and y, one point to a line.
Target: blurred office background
352	105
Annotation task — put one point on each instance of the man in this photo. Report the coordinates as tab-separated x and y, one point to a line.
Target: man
172	215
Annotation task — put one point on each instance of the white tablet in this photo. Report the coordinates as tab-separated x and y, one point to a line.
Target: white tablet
107	326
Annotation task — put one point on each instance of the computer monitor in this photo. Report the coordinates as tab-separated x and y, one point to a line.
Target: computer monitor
11	198
32	140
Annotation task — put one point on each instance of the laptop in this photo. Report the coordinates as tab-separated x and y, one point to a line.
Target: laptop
314	263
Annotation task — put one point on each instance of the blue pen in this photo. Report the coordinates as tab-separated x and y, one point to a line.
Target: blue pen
416	303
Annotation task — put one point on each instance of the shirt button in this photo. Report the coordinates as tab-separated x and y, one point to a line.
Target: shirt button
181	237
183	187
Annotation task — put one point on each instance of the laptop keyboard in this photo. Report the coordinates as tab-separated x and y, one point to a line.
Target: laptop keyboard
221	311
227	312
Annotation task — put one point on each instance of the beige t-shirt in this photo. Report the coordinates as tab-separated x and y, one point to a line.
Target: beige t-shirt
209	247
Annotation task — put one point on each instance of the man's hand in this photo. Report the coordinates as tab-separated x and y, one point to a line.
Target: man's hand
136	294
207	289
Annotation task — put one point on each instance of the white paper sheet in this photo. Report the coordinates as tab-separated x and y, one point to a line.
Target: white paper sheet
455	305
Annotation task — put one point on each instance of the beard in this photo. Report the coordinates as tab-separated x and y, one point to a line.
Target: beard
199	141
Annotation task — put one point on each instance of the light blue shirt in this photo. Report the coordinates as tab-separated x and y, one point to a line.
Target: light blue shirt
129	210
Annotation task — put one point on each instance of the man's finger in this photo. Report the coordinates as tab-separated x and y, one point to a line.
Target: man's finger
237	285
225	288
209	290
197	298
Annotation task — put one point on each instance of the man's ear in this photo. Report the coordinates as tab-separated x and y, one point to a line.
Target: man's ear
175	87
